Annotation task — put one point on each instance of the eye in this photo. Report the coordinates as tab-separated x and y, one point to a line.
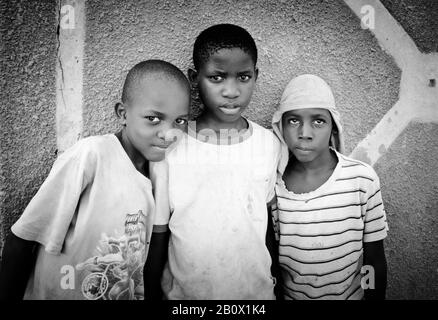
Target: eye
216	78
181	121
153	119
244	77
319	122
293	121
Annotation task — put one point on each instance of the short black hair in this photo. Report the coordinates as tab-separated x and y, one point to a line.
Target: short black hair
153	68
222	36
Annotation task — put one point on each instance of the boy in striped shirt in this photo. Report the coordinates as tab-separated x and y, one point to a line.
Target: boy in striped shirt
329	215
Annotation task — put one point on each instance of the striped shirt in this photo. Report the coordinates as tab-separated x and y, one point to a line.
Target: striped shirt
321	232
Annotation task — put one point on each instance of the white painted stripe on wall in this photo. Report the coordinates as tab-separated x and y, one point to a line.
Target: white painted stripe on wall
69	72
418	101
389	33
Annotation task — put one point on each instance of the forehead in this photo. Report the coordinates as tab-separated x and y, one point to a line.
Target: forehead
160	93
233	58
308	112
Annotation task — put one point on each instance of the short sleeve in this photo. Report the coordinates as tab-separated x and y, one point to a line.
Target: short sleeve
49	214
273	177
375	224
159	175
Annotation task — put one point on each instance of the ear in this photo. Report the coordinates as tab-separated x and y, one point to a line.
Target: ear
256	74
193	76
334	126
120	110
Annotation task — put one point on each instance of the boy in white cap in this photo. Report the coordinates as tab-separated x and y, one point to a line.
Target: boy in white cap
329	216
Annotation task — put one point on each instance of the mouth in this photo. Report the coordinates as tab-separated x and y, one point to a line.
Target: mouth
304	149
230	109
162	146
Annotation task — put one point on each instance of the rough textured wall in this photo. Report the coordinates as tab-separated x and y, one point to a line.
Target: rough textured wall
27	114
293	37
409	178
419	19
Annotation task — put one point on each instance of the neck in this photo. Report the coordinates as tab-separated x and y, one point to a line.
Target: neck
207	122
136	157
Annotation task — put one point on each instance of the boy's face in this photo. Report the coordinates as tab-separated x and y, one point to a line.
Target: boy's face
226	82
307	132
156	107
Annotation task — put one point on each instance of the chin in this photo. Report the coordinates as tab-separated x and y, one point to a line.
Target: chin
304	158
230	117
155	157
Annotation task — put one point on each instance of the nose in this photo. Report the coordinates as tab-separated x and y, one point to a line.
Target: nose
231	89
168	133
163	129
305	131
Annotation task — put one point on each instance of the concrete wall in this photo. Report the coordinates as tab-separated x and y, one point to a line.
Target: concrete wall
293	37
27	95
409	175
418	18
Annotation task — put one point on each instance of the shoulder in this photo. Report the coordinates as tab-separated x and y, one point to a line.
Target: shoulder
90	147
357	168
179	148
264	135
258	129
98	142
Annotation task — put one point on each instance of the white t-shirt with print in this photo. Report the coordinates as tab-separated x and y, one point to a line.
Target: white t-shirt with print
93	216
218	194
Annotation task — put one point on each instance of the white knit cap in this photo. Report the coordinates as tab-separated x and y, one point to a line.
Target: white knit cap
304	92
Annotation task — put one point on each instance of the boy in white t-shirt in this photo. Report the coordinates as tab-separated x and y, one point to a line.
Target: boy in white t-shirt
221	176
86	233
329	213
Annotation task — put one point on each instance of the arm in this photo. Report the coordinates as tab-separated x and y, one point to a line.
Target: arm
158	248
374	255
272	245
17	263
153	269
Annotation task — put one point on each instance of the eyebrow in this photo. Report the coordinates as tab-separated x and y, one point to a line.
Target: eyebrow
320	115
160	114
215	69
246	71
317	115
157	113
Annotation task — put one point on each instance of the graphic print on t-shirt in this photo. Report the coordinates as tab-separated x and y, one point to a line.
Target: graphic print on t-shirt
116	271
